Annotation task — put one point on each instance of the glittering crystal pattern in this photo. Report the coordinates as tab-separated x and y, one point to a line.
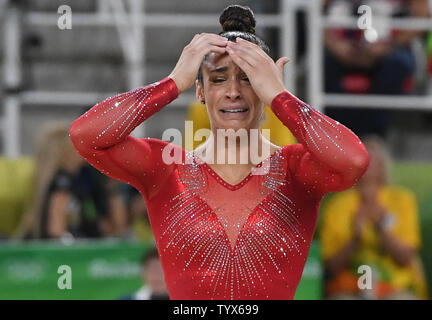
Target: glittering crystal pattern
217	240
231	238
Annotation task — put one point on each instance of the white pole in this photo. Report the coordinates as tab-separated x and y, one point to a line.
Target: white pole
102	7
131	36
12	81
136	65
288	42
315	54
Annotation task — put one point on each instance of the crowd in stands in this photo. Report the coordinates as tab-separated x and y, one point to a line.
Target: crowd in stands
355	63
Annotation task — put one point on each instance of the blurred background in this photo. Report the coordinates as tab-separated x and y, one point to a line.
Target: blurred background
368	67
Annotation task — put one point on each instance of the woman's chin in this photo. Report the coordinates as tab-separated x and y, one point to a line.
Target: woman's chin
234	124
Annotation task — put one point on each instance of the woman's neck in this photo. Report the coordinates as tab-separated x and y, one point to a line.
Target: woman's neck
244	147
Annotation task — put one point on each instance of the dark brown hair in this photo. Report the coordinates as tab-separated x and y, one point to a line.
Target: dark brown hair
238	21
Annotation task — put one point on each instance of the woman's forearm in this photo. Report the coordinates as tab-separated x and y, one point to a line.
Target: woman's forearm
112	120
329	142
102	135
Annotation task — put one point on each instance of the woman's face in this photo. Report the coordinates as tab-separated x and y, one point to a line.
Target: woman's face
231	102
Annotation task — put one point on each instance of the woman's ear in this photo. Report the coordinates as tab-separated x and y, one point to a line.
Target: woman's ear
199	92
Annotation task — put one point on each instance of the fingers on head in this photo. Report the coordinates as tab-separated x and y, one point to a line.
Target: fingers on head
210	35
249	47
209	38
216	49
281	62
239	61
246	43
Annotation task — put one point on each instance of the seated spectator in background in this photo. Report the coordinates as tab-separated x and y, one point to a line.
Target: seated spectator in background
429	60
117	223
16	176
152	276
354	64
70	198
138	221
374	224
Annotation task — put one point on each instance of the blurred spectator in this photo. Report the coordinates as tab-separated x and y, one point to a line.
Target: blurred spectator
429	59
70	198
374	224
16	176
355	63
138	221
152	277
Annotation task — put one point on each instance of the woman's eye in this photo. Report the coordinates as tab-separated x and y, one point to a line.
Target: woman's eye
245	79
218	80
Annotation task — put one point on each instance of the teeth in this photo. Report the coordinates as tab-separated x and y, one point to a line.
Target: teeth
235	110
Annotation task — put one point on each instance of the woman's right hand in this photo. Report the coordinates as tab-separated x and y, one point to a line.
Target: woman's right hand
185	72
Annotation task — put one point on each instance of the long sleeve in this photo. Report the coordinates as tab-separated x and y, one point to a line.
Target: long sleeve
102	134
330	157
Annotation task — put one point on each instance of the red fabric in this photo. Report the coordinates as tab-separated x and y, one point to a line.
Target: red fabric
356	83
408	85
216	240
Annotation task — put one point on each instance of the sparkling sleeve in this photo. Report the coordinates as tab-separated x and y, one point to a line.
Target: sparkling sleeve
102	134
330	157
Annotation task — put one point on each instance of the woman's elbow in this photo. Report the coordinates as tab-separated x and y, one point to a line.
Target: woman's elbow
78	139
75	133
361	163
358	167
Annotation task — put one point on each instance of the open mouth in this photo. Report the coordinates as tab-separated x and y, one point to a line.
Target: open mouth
239	110
234	113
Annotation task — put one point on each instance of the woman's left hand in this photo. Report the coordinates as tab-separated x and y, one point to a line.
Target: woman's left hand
265	76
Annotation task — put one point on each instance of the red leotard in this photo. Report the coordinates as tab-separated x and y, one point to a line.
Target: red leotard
217	240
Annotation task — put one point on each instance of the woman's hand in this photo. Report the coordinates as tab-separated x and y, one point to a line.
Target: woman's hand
186	69
264	74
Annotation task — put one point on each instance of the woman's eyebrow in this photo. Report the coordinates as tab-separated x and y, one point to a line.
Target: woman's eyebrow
219	69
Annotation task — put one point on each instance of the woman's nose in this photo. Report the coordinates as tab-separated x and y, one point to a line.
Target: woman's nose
233	90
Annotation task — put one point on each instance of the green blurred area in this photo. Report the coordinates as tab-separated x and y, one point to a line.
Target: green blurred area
311	283
100	270
418	178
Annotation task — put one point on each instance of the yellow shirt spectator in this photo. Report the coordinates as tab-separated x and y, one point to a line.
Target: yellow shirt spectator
336	231
16	182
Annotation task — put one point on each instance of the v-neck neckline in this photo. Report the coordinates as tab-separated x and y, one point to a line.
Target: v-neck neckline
240	184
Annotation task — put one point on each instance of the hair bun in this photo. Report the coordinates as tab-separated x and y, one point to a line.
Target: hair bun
237	18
